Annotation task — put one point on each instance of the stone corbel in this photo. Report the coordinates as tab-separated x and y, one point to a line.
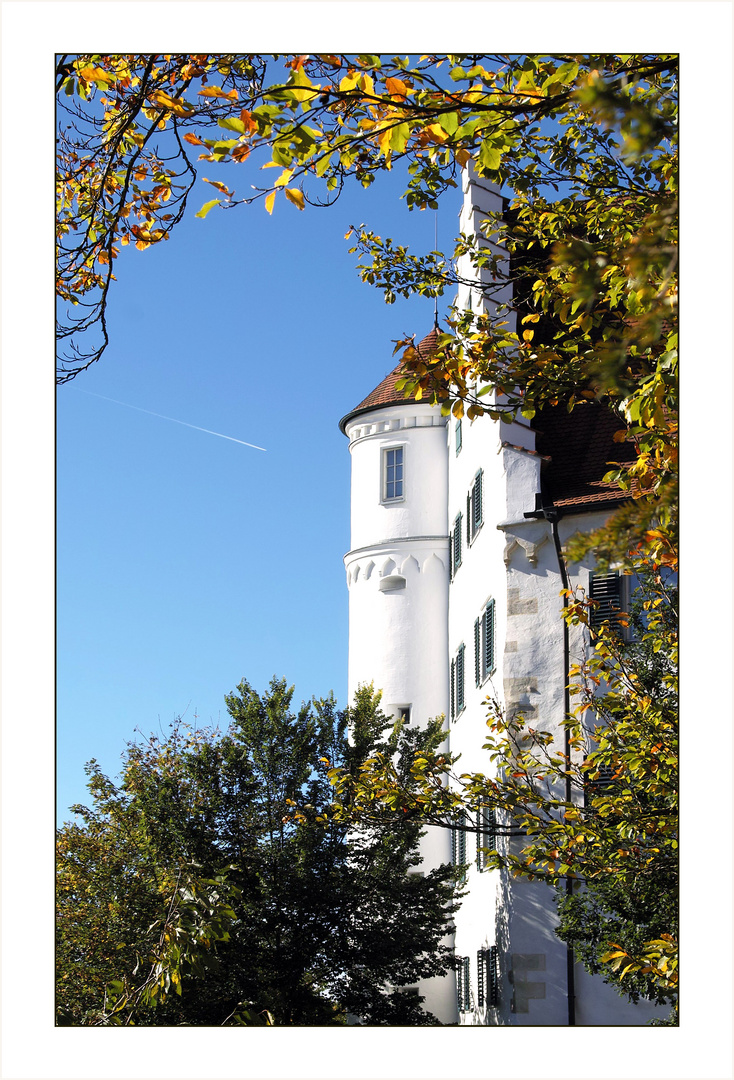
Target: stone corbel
530	547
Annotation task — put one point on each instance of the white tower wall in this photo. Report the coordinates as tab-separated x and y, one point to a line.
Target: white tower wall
397	575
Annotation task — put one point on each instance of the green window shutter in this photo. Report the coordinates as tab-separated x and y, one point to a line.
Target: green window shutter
488	658
458	436
456	563
477	652
481	964
469	519
451	557
462	840
478	500
458	846
460	987
486	834
606	590
467	983
493	982
460	679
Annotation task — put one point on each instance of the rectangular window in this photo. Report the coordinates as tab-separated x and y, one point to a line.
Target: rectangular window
456	545
474	507
457	431
393	473
486	834
463	985
606	589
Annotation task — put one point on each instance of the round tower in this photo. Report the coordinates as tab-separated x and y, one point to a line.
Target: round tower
398	575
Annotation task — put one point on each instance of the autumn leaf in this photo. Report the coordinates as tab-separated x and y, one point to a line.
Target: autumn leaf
161	100
295	195
269	200
217	92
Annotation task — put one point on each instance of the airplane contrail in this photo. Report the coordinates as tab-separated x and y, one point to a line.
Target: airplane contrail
174	421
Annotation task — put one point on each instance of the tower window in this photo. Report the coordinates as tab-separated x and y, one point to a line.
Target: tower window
393	474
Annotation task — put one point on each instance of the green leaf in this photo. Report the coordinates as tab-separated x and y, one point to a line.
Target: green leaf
207	207
489	157
232	123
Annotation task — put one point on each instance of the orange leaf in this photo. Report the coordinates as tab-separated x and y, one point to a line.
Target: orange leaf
217	92
247	120
396	87
193	139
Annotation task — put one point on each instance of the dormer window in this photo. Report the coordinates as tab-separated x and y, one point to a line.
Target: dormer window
393	474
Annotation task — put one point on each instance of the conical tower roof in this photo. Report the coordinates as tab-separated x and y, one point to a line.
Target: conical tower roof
385	393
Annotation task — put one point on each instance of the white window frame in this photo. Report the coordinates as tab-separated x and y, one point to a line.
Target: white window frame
384	498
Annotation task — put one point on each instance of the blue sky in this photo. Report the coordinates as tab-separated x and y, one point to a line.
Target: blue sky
187	562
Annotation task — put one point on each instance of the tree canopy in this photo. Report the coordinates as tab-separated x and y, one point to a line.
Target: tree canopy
211	886
585	146
596	819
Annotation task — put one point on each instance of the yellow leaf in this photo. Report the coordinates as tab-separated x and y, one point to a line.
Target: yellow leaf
349	81
217	92
437	133
295	195
95	74
269	200
284	178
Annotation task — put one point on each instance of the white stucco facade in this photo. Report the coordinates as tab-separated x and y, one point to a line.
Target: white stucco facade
415	607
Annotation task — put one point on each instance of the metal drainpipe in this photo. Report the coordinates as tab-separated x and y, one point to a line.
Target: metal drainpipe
551	515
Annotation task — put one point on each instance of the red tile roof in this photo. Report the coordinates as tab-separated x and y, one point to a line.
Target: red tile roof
581	449
385	392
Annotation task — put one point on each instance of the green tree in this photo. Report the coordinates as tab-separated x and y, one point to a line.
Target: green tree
214	886
602	816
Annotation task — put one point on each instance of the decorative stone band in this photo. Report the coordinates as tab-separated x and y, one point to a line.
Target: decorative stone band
398	423
391	563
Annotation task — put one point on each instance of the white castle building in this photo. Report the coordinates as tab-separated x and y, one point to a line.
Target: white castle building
454	594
